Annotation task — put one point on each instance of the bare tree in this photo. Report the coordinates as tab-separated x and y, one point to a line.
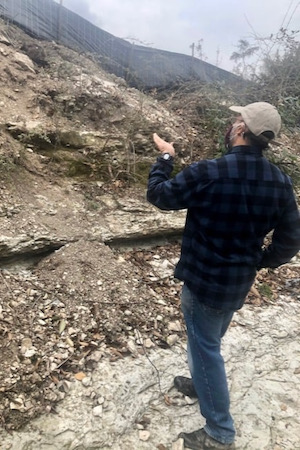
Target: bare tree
244	51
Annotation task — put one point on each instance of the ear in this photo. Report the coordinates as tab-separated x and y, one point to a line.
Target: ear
241	128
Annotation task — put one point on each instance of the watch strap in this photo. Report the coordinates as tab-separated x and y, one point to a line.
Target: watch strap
165	157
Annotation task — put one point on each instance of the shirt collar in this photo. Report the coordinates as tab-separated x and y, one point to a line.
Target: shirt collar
246	149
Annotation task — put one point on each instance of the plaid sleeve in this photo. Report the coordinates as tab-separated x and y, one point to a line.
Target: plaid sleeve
286	237
175	193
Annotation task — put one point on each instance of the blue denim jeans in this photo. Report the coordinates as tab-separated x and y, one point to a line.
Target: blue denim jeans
205	328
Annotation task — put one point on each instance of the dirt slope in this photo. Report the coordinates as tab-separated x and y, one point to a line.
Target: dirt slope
72	139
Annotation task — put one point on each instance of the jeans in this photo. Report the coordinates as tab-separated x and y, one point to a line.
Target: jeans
205	328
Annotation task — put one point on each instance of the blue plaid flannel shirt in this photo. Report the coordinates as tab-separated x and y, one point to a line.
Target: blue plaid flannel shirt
232	203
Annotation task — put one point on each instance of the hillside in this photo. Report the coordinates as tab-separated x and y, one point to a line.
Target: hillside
81	251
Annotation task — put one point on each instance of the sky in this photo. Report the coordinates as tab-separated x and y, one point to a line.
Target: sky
174	25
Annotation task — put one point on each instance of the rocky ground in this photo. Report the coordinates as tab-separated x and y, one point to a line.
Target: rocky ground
88	316
90	321
129	402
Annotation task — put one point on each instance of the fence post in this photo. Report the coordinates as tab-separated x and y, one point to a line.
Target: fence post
59	21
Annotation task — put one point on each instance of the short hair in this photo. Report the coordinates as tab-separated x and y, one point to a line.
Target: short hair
262	141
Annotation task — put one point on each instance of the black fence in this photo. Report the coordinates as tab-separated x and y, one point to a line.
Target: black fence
142	67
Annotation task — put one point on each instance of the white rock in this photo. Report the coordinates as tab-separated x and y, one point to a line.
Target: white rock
95	356
189	400
4	40
148	343
30	352
17	404
172	339
174	326
178	445
132	347
98	410
24	61
26	344
144	435
86	381
165	264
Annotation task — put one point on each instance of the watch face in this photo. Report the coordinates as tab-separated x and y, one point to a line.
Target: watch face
166	156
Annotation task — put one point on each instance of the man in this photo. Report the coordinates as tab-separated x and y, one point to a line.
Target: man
232	203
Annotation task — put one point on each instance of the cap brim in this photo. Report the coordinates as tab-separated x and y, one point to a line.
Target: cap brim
237	109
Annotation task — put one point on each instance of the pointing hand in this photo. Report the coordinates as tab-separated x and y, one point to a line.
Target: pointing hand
163	146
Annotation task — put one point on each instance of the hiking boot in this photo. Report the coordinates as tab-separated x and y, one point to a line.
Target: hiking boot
185	386
200	440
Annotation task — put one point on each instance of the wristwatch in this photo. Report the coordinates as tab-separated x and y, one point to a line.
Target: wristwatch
166	156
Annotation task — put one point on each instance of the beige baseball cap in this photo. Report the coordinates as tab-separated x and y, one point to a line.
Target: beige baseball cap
260	117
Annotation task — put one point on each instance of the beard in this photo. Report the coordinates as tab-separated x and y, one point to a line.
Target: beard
228	138
230	135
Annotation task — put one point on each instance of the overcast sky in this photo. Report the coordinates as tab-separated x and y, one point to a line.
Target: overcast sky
175	24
